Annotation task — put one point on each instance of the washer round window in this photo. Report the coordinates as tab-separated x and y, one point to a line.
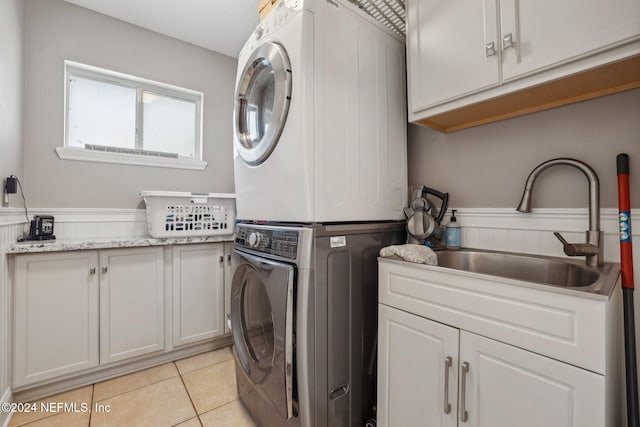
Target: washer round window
257	321
262	102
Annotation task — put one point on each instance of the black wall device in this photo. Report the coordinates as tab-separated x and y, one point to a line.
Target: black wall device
11	185
41	228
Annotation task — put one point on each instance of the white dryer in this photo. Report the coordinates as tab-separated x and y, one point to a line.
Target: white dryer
320	117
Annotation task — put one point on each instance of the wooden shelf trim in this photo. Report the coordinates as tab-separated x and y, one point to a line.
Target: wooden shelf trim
608	79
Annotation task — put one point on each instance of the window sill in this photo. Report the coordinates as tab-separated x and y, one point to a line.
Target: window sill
68	153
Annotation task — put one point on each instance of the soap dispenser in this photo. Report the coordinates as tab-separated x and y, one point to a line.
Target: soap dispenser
452	234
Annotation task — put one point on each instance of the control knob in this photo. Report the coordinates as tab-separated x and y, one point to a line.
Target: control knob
255	239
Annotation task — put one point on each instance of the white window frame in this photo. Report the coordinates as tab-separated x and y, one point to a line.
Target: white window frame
66	152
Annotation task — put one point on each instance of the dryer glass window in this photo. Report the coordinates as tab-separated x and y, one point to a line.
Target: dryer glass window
257	319
262	102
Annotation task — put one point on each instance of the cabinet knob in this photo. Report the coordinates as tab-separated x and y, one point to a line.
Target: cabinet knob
92	271
221	259
490	49
104	270
507	41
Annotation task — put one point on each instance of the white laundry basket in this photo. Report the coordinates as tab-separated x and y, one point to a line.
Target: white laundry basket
182	214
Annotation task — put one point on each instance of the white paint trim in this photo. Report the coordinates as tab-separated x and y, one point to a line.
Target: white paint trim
567	220
73	153
93	215
12	216
571	220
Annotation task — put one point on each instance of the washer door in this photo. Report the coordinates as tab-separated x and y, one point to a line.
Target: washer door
262	102
262	326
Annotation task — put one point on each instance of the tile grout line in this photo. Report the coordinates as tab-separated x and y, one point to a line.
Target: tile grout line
193	405
203	367
93	391
139	387
179	374
54	414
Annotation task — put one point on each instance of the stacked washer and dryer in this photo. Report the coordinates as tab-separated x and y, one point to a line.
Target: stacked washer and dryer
321	178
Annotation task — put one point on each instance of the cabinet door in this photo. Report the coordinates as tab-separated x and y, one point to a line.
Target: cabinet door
198	289
416	358
447	51
506	386
131	303
546	33
55	314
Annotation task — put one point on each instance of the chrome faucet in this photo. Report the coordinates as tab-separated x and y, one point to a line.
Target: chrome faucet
593	248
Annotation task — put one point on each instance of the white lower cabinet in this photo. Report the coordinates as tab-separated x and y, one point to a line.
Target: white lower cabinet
431	374
507	386
79	311
131	303
55	315
416	363
198	293
82	309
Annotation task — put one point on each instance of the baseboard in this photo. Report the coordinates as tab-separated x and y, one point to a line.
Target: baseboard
73	381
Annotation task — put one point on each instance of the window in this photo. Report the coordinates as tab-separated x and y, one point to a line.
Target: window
117	118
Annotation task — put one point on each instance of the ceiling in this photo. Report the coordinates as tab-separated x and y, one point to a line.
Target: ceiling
219	25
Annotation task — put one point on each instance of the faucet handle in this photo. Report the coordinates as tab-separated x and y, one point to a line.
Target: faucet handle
577	249
569	248
559	236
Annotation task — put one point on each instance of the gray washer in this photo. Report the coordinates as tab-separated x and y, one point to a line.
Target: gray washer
330	274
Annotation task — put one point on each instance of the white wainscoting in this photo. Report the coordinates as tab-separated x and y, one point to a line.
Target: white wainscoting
486	228
86	223
69	224
508	230
9	232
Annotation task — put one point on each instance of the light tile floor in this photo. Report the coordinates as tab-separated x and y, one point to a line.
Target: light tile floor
199	391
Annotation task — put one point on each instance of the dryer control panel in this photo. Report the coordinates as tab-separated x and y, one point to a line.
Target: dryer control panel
274	241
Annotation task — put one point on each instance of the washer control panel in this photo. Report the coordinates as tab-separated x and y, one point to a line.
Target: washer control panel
280	242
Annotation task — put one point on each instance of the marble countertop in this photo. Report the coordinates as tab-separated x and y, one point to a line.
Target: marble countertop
107	243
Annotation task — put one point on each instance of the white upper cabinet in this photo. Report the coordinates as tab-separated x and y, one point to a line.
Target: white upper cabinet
547	33
451	50
465	57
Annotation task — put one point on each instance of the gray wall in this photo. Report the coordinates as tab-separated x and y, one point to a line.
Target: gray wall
12	21
487	166
57	30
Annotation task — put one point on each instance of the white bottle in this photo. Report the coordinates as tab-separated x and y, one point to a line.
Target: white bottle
452	234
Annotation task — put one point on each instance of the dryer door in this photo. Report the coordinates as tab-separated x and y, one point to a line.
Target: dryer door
262	102
262	326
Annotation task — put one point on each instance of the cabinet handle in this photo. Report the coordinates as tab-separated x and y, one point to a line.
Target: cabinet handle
447	367
507	41
104	270
464	415
221	259
490	49
92	271
229	259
